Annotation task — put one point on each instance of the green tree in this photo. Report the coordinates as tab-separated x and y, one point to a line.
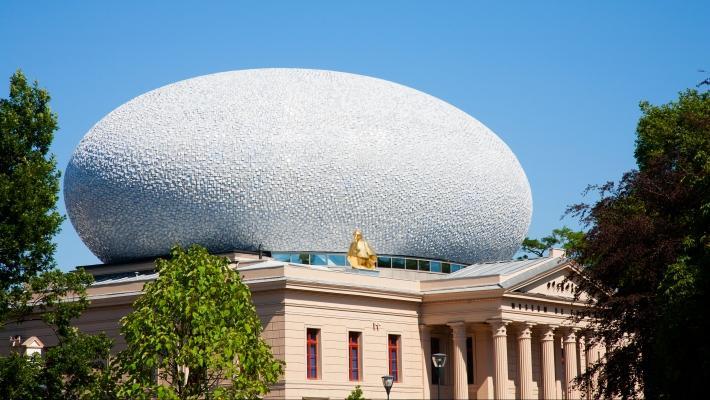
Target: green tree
356	394
565	237
647	258
29	183
29	279
74	368
195	334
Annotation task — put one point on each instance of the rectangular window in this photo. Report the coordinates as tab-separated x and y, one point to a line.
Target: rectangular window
423	265
303	258
354	358
436	266
446	268
384	262
312	339
393	356
435	348
411	264
469	360
398	263
335	259
285	257
319	259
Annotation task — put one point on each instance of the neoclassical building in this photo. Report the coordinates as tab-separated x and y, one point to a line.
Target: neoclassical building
274	169
505	327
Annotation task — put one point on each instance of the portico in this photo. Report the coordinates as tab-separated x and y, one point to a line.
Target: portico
500	374
525	343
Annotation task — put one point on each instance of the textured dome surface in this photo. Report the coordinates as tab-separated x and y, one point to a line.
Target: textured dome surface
295	160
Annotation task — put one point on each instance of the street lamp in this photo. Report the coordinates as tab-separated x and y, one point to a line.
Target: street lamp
387	382
439	360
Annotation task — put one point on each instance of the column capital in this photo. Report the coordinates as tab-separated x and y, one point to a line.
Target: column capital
525	330
498	326
570	334
455	324
548	331
458	328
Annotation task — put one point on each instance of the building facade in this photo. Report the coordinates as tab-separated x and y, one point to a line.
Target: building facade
507	328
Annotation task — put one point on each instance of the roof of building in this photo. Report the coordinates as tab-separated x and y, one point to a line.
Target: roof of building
494	268
510	272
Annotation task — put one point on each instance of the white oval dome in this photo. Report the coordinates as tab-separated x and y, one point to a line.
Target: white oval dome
295	160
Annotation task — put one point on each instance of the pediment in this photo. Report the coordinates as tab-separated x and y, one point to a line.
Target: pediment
33	343
553	283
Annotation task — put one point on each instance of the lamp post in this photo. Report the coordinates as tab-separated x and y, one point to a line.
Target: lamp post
387	382
439	360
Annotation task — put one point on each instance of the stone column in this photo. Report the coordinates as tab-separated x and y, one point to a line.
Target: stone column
582	344
548	362
425	338
525	361
591	358
500	359
483	362
590	355
460	388
570	346
582	351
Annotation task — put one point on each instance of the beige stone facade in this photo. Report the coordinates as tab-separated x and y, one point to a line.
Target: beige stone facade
505	327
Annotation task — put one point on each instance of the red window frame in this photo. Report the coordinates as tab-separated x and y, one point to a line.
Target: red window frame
354	356
312	353
393	360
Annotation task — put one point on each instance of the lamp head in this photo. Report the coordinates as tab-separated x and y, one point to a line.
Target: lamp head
439	359
387	382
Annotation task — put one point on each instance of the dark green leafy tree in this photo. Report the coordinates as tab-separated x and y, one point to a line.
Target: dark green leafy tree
29	280
20	377
77	367
647	259
29	183
195	334
565	237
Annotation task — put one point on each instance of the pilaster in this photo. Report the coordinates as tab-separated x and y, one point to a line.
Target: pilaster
425	339
483	361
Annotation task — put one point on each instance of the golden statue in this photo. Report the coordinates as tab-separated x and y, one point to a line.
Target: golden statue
360	255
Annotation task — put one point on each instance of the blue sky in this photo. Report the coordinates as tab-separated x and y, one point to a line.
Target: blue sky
559	82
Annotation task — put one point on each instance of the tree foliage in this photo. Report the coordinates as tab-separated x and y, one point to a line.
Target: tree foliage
195	334
74	368
29	183
29	280
356	394
564	237
647	255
